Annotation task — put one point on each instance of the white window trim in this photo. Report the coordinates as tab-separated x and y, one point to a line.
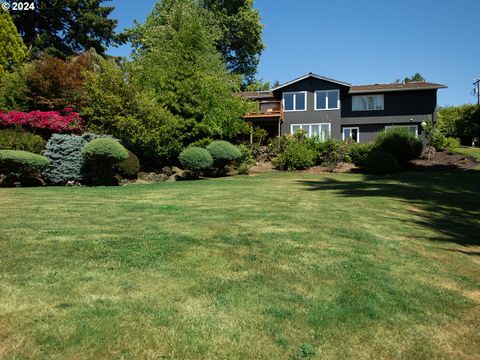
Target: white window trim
351	127
405	126
326	99
309	131
383	102
294	100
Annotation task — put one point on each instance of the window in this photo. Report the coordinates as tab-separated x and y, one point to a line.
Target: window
412	128
351	133
322	131
367	102
295	101
327	100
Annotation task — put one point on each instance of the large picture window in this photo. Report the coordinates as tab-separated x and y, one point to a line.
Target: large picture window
322	131
327	100
295	101
367	102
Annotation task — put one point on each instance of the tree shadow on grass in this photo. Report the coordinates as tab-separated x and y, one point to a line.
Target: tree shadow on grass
451	199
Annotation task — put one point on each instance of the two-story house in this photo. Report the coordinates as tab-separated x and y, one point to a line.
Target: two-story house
326	107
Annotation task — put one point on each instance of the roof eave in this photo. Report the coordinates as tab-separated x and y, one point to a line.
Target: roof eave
311	75
393	90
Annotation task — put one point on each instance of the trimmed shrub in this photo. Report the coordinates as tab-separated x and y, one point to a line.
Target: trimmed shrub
66	160
297	156
223	153
20	139
380	162
401	143
101	156
130	167
195	159
358	153
22	166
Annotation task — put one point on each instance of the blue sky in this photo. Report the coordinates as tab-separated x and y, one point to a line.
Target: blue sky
361	41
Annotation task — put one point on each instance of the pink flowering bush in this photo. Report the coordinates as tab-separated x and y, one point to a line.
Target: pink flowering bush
58	122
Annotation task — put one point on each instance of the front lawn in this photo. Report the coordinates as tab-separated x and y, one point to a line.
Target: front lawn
473	152
273	266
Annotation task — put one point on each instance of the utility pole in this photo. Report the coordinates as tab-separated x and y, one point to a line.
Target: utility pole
477	89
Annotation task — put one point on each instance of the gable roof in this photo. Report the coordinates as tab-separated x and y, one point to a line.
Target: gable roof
416	85
314	76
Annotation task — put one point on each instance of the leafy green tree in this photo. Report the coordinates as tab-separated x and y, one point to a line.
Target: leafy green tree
258	85
67	27
12	48
416	77
461	122
116	105
14	91
175	57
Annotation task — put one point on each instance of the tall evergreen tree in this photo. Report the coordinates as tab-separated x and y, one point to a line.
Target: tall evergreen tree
67	27
176	58
238	35
12	48
241	40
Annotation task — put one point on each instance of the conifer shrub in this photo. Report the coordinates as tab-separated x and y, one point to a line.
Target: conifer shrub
196	159
101	156
223	153
66	160
380	162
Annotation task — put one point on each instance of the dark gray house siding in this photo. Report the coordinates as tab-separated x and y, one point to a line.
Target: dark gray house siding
405	107
404	104
312	116
396	103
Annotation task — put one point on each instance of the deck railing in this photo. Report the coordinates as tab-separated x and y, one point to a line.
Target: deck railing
267	108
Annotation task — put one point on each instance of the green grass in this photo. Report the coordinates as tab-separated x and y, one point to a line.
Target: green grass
473	152
274	266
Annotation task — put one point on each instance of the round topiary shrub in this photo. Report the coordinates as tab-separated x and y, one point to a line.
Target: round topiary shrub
401	143
19	165
381	162
130	167
223	153
101	156
195	159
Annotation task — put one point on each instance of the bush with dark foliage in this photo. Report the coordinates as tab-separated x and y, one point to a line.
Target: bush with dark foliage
101	156
380	162
401	143
130	167
358	153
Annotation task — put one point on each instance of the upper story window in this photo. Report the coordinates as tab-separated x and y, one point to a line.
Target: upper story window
367	102
295	101
327	100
